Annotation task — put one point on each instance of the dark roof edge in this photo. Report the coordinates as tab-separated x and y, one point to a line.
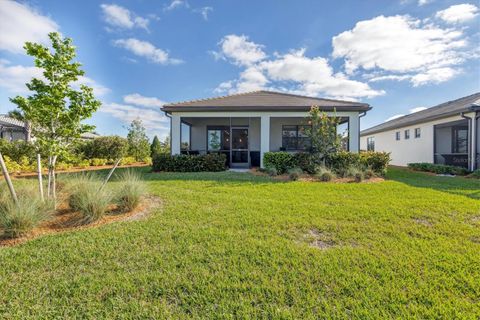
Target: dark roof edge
169	109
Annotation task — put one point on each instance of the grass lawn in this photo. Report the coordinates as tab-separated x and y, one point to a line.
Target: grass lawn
232	245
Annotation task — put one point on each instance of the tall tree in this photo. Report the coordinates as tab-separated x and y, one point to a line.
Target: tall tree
137	138
322	131
56	109
16	114
155	147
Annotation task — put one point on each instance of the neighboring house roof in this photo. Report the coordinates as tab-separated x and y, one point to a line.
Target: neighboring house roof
264	101
89	135
447	109
10	122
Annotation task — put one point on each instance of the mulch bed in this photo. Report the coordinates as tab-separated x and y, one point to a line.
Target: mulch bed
311	178
66	220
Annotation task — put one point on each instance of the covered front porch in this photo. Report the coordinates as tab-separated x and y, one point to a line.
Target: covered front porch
244	137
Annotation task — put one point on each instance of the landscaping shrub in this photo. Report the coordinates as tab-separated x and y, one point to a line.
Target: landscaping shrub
18	219
107	147
16	150
131	190
438	168
306	161
324	174
377	161
282	161
127	161
369	173
341	161
87	198
355	172
475	174
271	171
294	173
98	162
189	163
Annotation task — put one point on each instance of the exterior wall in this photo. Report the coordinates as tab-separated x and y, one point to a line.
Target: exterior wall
413	149
11	135
478	144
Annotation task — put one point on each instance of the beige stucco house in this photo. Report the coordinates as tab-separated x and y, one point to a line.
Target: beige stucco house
244	126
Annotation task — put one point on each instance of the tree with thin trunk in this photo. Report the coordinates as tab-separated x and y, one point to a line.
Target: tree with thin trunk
57	106
322	131
138	144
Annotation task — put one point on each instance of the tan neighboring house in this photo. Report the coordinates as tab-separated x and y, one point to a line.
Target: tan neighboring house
244	126
444	134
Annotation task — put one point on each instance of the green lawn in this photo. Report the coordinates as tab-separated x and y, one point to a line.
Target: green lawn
231	245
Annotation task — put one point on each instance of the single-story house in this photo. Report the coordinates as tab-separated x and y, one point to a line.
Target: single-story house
247	125
444	134
12	130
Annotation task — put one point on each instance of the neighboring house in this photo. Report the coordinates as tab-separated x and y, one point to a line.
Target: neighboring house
245	126
12	129
445	134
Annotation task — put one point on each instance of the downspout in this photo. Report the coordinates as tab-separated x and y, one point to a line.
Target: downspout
470	141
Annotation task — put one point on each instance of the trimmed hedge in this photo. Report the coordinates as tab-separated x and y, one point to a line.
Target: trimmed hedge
438	168
189	163
339	162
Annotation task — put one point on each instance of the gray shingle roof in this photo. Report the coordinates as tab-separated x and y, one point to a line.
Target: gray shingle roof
437	112
7	121
264	101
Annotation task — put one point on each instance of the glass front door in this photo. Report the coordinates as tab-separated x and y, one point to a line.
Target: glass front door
240	156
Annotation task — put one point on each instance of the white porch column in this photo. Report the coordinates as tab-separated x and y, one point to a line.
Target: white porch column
175	128
472	145
353	133
264	137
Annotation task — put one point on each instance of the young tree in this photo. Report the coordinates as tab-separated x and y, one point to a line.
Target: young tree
166	145
322	131
155	147
138	145
56	109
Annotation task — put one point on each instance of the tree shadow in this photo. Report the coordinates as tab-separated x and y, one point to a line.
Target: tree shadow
468	187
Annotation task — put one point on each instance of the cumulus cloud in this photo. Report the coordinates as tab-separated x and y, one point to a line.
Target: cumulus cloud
139	100
293	72
240	50
459	13
153	119
119	17
402	48
147	50
20	23
14	77
424	2
177	4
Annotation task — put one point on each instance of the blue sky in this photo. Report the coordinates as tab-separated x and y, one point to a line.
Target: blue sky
397	55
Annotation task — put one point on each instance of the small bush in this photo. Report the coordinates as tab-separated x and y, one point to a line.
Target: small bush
282	161
106	147
358	177
87	198
324	174
475	174
438	168
369	174
271	171
127	161
189	163
306	161
18	219
294	173
131	190
356	173
340	162
98	162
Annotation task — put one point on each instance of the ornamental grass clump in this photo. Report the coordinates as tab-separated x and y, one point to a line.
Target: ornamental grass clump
132	188
17	219
324	174
88	198
294	173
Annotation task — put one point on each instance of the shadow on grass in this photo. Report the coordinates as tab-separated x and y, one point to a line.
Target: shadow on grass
454	185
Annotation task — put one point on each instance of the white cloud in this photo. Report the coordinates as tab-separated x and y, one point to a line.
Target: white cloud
293	72
139	100
424	2
241	50
417	109
147	50
20	23
394	117
177	4
458	13
436	75
153	119
204	12
120	17
402	48
14	77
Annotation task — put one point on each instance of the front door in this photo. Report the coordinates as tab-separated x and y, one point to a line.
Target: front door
239	153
